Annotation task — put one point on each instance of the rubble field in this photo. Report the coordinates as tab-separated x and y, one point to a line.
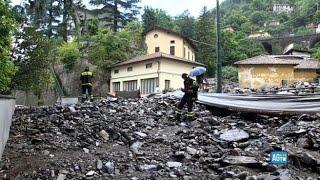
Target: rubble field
140	139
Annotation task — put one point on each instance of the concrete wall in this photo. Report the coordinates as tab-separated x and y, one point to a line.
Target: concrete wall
264	76
7	106
29	99
164	42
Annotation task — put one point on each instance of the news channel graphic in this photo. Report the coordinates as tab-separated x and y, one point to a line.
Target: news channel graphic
279	157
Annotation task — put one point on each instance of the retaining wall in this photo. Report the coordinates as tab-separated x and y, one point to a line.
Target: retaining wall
7	105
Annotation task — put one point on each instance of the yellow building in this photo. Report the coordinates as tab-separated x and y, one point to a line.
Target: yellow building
168	56
275	71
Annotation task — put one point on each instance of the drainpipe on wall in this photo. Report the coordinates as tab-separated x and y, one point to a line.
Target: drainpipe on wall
158	80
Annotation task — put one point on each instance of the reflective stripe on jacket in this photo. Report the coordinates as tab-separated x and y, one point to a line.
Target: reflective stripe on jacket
86	78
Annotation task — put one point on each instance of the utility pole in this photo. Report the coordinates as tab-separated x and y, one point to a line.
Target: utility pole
218	49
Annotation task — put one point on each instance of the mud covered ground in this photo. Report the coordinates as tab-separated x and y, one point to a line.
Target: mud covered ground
141	139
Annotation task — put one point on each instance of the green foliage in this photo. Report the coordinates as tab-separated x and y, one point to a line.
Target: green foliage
7	68
315	52
236	46
258	18
93	26
186	25
157	18
124	11
69	54
239	12
33	73
110	47
230	73
206	32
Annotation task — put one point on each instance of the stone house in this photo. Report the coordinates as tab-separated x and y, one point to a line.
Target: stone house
168	56
276	70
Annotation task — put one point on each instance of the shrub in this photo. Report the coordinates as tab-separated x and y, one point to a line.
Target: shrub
69	54
230	73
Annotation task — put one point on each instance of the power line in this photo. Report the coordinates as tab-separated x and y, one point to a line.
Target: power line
204	43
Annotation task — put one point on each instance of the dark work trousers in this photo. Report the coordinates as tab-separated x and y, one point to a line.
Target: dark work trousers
187	98
85	89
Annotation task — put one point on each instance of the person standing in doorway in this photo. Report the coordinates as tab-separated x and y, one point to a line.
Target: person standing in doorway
86	84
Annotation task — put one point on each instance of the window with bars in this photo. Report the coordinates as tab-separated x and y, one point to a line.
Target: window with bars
116	86
130	85
129	69
116	71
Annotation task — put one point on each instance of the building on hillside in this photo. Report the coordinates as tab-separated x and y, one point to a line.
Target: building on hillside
276	70
259	35
168	56
228	28
103	15
311	26
272	23
278	8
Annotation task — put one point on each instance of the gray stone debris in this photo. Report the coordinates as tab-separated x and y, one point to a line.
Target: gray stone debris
241	160
99	164
61	177
174	164
104	135
140	139
148	167
234	135
90	173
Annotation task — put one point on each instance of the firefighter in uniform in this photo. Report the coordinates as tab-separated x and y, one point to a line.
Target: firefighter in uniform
86	84
190	95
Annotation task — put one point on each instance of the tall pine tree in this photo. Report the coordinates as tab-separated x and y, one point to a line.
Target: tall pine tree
123	10
206	32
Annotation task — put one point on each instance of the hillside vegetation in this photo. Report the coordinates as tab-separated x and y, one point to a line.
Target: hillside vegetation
250	15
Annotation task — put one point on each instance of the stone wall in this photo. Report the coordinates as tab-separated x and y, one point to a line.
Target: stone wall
70	79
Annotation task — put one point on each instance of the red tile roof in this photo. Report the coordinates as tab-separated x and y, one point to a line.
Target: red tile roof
157	55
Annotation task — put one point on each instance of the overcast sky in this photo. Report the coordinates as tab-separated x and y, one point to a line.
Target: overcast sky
173	7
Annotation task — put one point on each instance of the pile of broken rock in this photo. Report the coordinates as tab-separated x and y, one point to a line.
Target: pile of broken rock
140	139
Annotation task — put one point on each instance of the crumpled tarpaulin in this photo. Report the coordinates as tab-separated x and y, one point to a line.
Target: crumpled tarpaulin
264	104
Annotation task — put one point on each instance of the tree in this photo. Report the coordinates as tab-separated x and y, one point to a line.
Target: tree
230	73
157	18
186	24
316	51
7	25
236	46
33	62
124	11
69	54
110	47
206	32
